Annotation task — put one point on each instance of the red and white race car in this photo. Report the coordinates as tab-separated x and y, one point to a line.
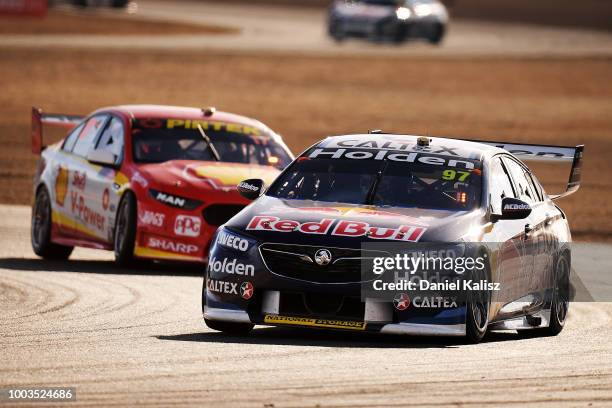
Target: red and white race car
147	181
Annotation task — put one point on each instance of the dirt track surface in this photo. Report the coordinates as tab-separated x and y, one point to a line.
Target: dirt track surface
137	337
302	30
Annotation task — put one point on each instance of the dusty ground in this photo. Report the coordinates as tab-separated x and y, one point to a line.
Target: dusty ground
557	101
63	22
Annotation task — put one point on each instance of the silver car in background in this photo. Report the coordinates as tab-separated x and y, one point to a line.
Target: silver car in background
388	20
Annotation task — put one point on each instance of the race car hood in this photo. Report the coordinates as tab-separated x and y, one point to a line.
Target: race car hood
308	222
196	178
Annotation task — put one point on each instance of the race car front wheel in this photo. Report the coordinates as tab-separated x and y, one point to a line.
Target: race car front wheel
125	230
235	329
437	34
41	229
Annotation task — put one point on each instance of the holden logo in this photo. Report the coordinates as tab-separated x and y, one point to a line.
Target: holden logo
323	257
246	290
401	301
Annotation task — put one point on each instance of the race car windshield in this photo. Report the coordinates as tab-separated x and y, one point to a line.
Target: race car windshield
161	145
381	183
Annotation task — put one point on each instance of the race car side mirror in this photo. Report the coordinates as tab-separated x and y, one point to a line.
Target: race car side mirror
512	209
251	189
102	157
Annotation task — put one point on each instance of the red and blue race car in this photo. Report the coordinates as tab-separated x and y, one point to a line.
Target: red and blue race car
150	182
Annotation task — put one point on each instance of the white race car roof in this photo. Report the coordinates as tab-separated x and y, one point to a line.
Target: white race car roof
437	145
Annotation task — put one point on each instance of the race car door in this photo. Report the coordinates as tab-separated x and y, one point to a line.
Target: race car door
508	237
103	179
534	230
88	221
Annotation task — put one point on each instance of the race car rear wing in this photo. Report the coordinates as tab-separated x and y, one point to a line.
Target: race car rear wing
535	152
39	119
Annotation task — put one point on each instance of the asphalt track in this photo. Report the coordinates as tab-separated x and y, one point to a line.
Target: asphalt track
302	30
137	337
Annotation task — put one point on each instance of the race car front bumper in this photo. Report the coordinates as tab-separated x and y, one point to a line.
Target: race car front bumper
449	322
242	287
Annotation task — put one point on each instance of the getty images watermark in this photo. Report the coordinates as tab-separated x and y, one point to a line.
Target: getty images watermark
441	273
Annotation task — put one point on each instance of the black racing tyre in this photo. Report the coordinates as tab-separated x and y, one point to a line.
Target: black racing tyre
336	32
477	310
437	34
235	329
559	304
125	230
400	36
40	230
560	297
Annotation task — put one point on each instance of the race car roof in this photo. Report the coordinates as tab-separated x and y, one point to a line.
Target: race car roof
182	112
436	145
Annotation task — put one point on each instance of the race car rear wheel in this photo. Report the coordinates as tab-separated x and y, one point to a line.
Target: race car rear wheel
559	304
40	231
561	296
235	329
125	230
477	310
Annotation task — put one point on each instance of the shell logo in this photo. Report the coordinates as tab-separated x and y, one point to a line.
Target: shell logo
61	185
228	175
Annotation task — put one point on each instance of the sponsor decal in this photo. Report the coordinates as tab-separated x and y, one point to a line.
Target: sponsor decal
232	241
61	185
401	301
248	186
105	199
171	246
187	225
224	176
514	207
79	180
174	201
343	228
246	290
394	146
152	218
232	267
326	323
86	214
323	257
193	125
229	288
434	301
390	155
348	212
138	178
170	199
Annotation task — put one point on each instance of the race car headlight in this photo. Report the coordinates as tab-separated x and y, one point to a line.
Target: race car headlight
174	201
403	13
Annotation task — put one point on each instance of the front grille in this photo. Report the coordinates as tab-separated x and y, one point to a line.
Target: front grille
321	305
219	214
297	261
